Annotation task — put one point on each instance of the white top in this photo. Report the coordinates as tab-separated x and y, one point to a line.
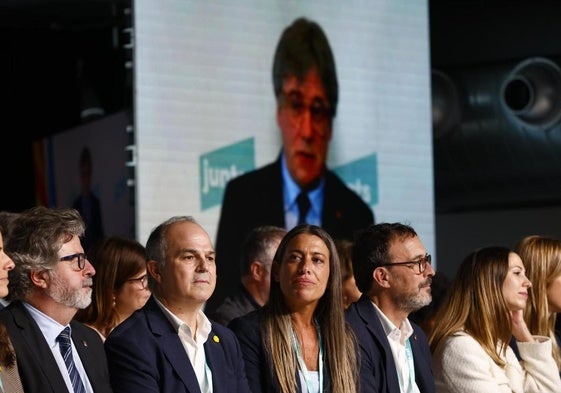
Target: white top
397	338
460	365
194	348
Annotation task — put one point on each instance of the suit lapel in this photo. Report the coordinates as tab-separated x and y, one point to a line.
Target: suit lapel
368	314
171	345
214	353
41	355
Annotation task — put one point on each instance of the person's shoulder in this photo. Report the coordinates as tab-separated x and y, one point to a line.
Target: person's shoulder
342	194
255	175
129	328
242	323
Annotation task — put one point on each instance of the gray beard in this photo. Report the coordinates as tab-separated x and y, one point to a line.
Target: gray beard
412	303
59	292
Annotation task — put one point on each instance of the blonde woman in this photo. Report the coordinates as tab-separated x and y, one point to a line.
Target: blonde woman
542	259
470	341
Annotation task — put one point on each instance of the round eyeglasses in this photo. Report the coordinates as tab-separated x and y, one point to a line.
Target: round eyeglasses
419	266
142	280
80	258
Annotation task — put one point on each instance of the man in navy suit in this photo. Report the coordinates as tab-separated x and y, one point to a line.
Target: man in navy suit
392	269
169	345
306	91
51	281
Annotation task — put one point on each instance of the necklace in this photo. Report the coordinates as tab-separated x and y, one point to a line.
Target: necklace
302	364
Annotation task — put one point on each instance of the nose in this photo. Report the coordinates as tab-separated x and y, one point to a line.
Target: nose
527	283
429	271
89	269
306	124
10	265
305	266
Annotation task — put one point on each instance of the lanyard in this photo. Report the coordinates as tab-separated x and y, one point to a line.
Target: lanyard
302	365
411	367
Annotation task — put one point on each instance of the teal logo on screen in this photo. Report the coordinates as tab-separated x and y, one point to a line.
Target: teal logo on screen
219	166
362	177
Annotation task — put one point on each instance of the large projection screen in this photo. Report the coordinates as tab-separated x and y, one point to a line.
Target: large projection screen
205	110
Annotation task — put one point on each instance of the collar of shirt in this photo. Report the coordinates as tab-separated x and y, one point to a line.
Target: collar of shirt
398	334
290	193
48	326
203	324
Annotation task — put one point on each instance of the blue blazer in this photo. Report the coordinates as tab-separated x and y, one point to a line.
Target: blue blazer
37	366
256	198
377	367
258	367
145	354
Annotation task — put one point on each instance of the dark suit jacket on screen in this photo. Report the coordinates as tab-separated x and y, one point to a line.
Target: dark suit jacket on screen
37	366
145	355
377	366
256	198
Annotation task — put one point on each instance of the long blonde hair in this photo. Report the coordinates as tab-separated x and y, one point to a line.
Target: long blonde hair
338	339
476	303
542	259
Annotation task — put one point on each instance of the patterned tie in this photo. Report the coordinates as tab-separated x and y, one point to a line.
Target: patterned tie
303	206
66	351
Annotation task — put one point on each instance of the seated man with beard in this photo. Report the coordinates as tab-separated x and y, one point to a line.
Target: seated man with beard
51	281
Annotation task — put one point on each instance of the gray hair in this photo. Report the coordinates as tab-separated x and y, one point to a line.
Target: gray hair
37	236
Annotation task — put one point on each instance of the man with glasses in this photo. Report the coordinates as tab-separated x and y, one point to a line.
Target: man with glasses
298	186
51	281
393	271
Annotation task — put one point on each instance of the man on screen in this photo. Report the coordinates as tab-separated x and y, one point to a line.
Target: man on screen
298	186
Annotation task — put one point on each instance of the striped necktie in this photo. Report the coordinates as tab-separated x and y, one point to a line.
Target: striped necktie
66	351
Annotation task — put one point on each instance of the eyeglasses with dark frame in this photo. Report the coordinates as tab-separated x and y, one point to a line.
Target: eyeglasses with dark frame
421	264
142	280
79	257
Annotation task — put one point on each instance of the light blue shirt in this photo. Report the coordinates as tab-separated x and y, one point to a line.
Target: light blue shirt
290	191
51	329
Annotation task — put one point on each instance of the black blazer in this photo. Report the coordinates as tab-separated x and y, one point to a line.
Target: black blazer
145	354
377	367
258	366
255	199
37	366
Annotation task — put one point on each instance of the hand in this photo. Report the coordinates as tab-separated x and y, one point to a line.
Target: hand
519	328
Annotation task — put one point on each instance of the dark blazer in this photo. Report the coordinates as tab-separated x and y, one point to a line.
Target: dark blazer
377	366
255	199
258	366
37	366
145	354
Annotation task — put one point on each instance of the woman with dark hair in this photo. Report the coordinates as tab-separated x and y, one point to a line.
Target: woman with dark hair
298	341
470	341
120	284
9	376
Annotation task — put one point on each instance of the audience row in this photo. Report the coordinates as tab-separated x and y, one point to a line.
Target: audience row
146	330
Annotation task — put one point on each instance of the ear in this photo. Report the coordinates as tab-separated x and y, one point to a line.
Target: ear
256	270
40	279
382	277
154	270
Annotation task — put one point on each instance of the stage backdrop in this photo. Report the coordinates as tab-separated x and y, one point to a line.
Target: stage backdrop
205	109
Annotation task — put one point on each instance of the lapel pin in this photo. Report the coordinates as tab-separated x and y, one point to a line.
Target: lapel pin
215	339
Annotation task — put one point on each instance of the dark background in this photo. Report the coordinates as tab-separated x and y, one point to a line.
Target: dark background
494	177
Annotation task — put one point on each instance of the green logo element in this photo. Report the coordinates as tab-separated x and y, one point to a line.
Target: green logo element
219	166
362	176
